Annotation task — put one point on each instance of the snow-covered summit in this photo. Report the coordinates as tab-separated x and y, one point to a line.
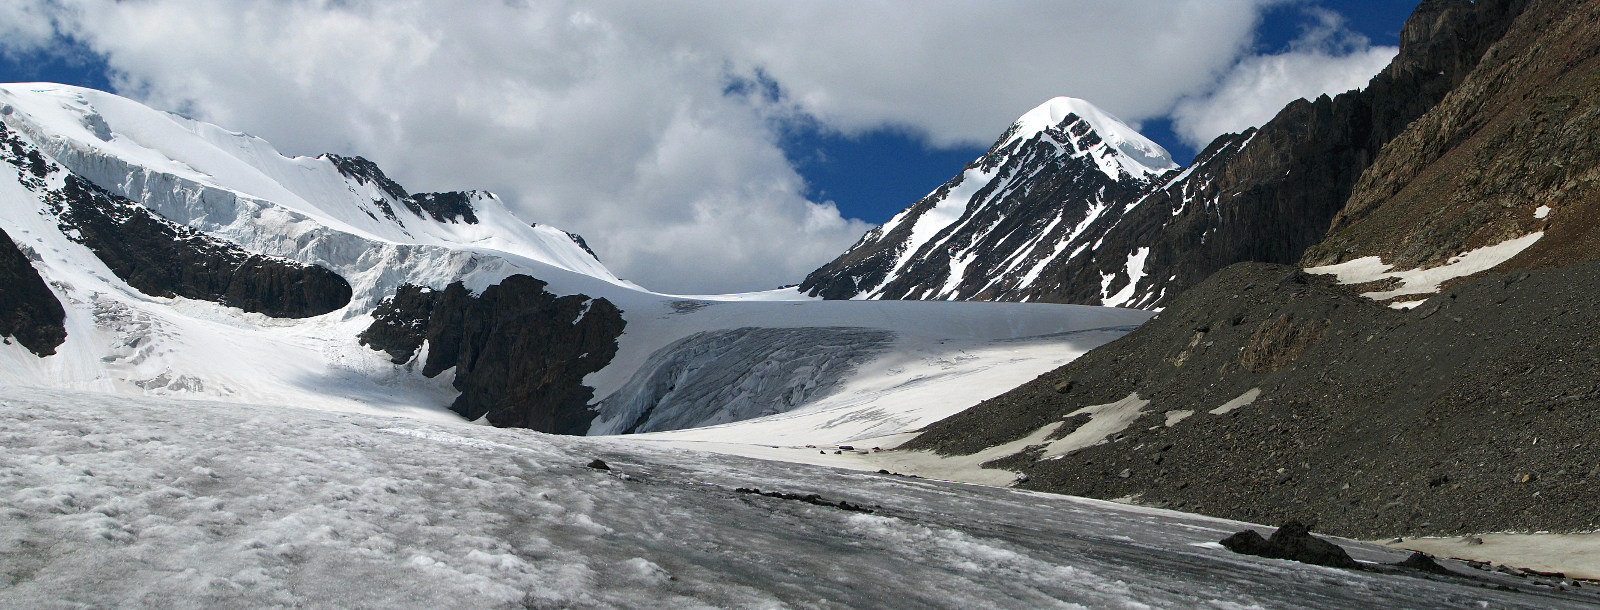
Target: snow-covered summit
993	230
1124	149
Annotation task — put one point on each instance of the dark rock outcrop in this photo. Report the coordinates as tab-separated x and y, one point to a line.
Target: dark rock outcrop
519	352
1292	541
1469	413
29	311
578	239
367	172
163	258
400	323
453	206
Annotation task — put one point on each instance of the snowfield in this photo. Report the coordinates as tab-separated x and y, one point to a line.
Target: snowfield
121	501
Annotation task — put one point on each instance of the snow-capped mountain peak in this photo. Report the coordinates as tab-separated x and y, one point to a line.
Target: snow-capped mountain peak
995	228
1116	147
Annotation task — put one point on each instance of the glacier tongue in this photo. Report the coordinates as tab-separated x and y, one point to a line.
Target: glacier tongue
723	376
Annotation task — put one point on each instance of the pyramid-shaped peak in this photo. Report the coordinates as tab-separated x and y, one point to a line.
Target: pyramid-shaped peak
1143	157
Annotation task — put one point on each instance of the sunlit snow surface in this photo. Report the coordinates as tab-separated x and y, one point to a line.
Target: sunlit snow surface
118	501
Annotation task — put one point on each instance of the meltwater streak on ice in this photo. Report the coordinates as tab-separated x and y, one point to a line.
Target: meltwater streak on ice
177	503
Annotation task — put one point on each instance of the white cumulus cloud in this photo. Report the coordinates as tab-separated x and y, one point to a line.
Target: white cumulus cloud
1325	59
615	119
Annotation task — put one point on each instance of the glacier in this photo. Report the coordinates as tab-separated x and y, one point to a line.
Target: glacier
113	500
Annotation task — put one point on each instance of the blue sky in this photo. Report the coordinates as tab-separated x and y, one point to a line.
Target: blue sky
704	146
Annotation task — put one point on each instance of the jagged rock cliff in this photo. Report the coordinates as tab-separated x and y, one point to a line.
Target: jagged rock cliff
1513	151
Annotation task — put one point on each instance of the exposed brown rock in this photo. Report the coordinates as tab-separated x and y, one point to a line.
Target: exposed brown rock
1470	413
1520	132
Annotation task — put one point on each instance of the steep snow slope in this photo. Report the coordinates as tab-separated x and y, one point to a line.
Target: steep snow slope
114	500
240	189
234	193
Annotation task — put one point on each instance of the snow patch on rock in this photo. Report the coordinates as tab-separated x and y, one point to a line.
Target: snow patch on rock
1427	280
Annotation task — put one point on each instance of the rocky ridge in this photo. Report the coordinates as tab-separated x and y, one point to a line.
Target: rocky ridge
1511	151
1264	195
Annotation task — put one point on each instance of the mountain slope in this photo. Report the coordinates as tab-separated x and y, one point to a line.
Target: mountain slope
1269	391
1264	195
1511	152
192	261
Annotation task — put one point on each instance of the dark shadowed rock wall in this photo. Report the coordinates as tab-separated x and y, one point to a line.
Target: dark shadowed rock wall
163	258
1513	150
520	353
29	312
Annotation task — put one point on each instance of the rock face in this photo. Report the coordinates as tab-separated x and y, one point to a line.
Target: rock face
1469	413
29	312
519	352
453	206
723	376
1264	195
1514	150
163	258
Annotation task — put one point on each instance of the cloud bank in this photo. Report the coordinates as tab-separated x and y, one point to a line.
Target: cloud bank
1326	58
623	121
